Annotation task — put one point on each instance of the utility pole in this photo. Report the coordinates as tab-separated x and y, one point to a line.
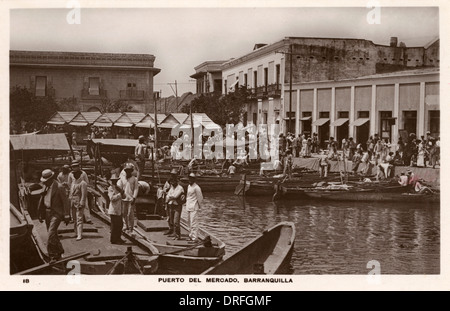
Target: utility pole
176	93
155	97
192	132
290	90
290	53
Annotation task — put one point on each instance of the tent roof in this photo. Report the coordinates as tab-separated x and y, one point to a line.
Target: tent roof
79	118
50	142
62	117
173	119
113	116
201	119
103	121
90	116
116	142
135	117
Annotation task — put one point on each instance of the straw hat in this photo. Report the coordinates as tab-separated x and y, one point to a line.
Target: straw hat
46	175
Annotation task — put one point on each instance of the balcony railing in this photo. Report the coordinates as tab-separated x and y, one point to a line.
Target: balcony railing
132	95
274	90
85	94
271	90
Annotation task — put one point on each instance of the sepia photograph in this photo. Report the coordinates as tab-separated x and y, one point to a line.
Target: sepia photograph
245	144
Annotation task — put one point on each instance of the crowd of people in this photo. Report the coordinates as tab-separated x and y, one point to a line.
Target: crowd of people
65	199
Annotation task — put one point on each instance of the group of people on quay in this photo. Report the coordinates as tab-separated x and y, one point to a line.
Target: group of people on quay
65	199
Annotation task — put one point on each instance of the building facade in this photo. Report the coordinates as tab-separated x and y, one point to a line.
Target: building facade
86	77
208	76
262	72
341	87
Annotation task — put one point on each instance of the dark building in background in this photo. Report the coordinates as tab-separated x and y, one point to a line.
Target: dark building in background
87	77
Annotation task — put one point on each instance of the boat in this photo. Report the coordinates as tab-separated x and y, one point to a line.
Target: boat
23	254
94	254
369	195
100	256
174	257
269	253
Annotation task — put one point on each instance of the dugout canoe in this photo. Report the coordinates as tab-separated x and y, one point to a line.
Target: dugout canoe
269	253
369	195
98	255
174	257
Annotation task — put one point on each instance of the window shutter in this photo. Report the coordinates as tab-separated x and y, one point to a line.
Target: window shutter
50	88
49	82
32	84
86	83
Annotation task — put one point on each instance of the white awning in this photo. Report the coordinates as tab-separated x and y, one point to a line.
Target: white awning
56	122
145	125
320	122
339	122
123	124
102	124
360	122
306	118
78	123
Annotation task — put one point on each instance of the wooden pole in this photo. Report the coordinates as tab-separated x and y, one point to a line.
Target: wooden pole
153	164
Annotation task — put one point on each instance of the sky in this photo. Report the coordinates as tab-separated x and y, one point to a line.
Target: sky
182	38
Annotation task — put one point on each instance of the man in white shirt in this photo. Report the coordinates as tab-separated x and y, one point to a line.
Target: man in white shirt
76	166
141	154
174	205
194	200
130	186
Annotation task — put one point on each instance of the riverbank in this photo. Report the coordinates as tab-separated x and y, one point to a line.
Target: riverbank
427	173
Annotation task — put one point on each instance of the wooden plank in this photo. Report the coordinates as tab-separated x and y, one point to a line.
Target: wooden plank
153	225
70	229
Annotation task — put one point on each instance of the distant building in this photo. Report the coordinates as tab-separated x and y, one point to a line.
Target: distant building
336	82
208	76
88	77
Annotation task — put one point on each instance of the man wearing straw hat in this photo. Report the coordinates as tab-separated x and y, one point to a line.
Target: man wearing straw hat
141	154
130	186
194	200
115	194
76	166
56	205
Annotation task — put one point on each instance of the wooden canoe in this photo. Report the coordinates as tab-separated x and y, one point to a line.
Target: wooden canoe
100	256
270	253
23	252
369	195
174	257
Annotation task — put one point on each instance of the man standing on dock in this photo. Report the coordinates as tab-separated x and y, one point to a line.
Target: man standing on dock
194	199
130	186
141	154
56	205
175	206
76	166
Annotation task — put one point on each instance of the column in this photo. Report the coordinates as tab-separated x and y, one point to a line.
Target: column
259	112
333	112
315	128
421	112
396	115
297	114
270	113
373	113
352	118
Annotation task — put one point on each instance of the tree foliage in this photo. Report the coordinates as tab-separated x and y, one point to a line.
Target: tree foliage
108	105
68	104
222	109
28	112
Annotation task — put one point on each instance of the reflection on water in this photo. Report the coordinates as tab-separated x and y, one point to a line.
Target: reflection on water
335	237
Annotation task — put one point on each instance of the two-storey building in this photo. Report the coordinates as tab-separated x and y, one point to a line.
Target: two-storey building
87	77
